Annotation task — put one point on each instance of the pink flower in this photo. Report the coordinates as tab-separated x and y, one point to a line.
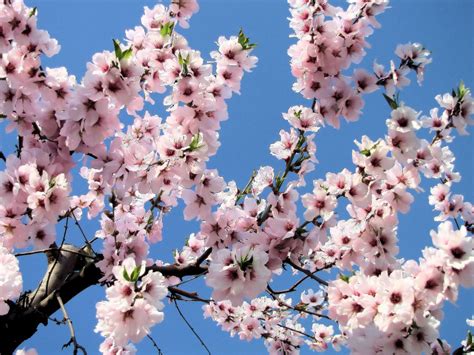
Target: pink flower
237	274
303	118
262	180
126	322
197	205
311	298
11	282
283	148
396	297
133	304
184	9
403	119
319	203
42	235
458	248
365	81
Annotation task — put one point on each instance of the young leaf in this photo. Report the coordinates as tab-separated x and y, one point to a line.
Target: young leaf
117	49
33	12
195	143
244	41
125	275
122	54
391	102
135	273
344	278
167	29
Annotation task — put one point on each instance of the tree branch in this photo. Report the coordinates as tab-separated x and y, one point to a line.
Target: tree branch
72	273
306	272
68	320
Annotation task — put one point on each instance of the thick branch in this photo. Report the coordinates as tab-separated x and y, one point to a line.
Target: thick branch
36	307
24	316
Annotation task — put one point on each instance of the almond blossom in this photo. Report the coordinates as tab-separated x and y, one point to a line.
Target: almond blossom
284	224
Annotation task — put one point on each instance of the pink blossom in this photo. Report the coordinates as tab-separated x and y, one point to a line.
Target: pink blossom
11	282
239	273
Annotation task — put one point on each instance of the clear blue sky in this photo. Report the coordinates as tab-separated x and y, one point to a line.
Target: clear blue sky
84	27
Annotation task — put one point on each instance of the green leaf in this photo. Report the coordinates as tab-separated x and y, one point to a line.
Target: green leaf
344	278
117	49
462	90
184	62
244	41
135	273
195	143
392	102
127	54
120	54
365	152
33	12
125	275
167	29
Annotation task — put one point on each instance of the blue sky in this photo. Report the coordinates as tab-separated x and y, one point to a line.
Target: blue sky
84	27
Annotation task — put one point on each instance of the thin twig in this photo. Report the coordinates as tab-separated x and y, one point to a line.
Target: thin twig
306	272
191	279
40	251
155	345
282	303
291	289
191	327
73	340
191	295
296	331
76	222
91	241
457	223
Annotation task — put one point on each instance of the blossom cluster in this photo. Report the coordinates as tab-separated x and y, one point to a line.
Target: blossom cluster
133	306
272	320
401	310
33	194
155	162
330	39
35	185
